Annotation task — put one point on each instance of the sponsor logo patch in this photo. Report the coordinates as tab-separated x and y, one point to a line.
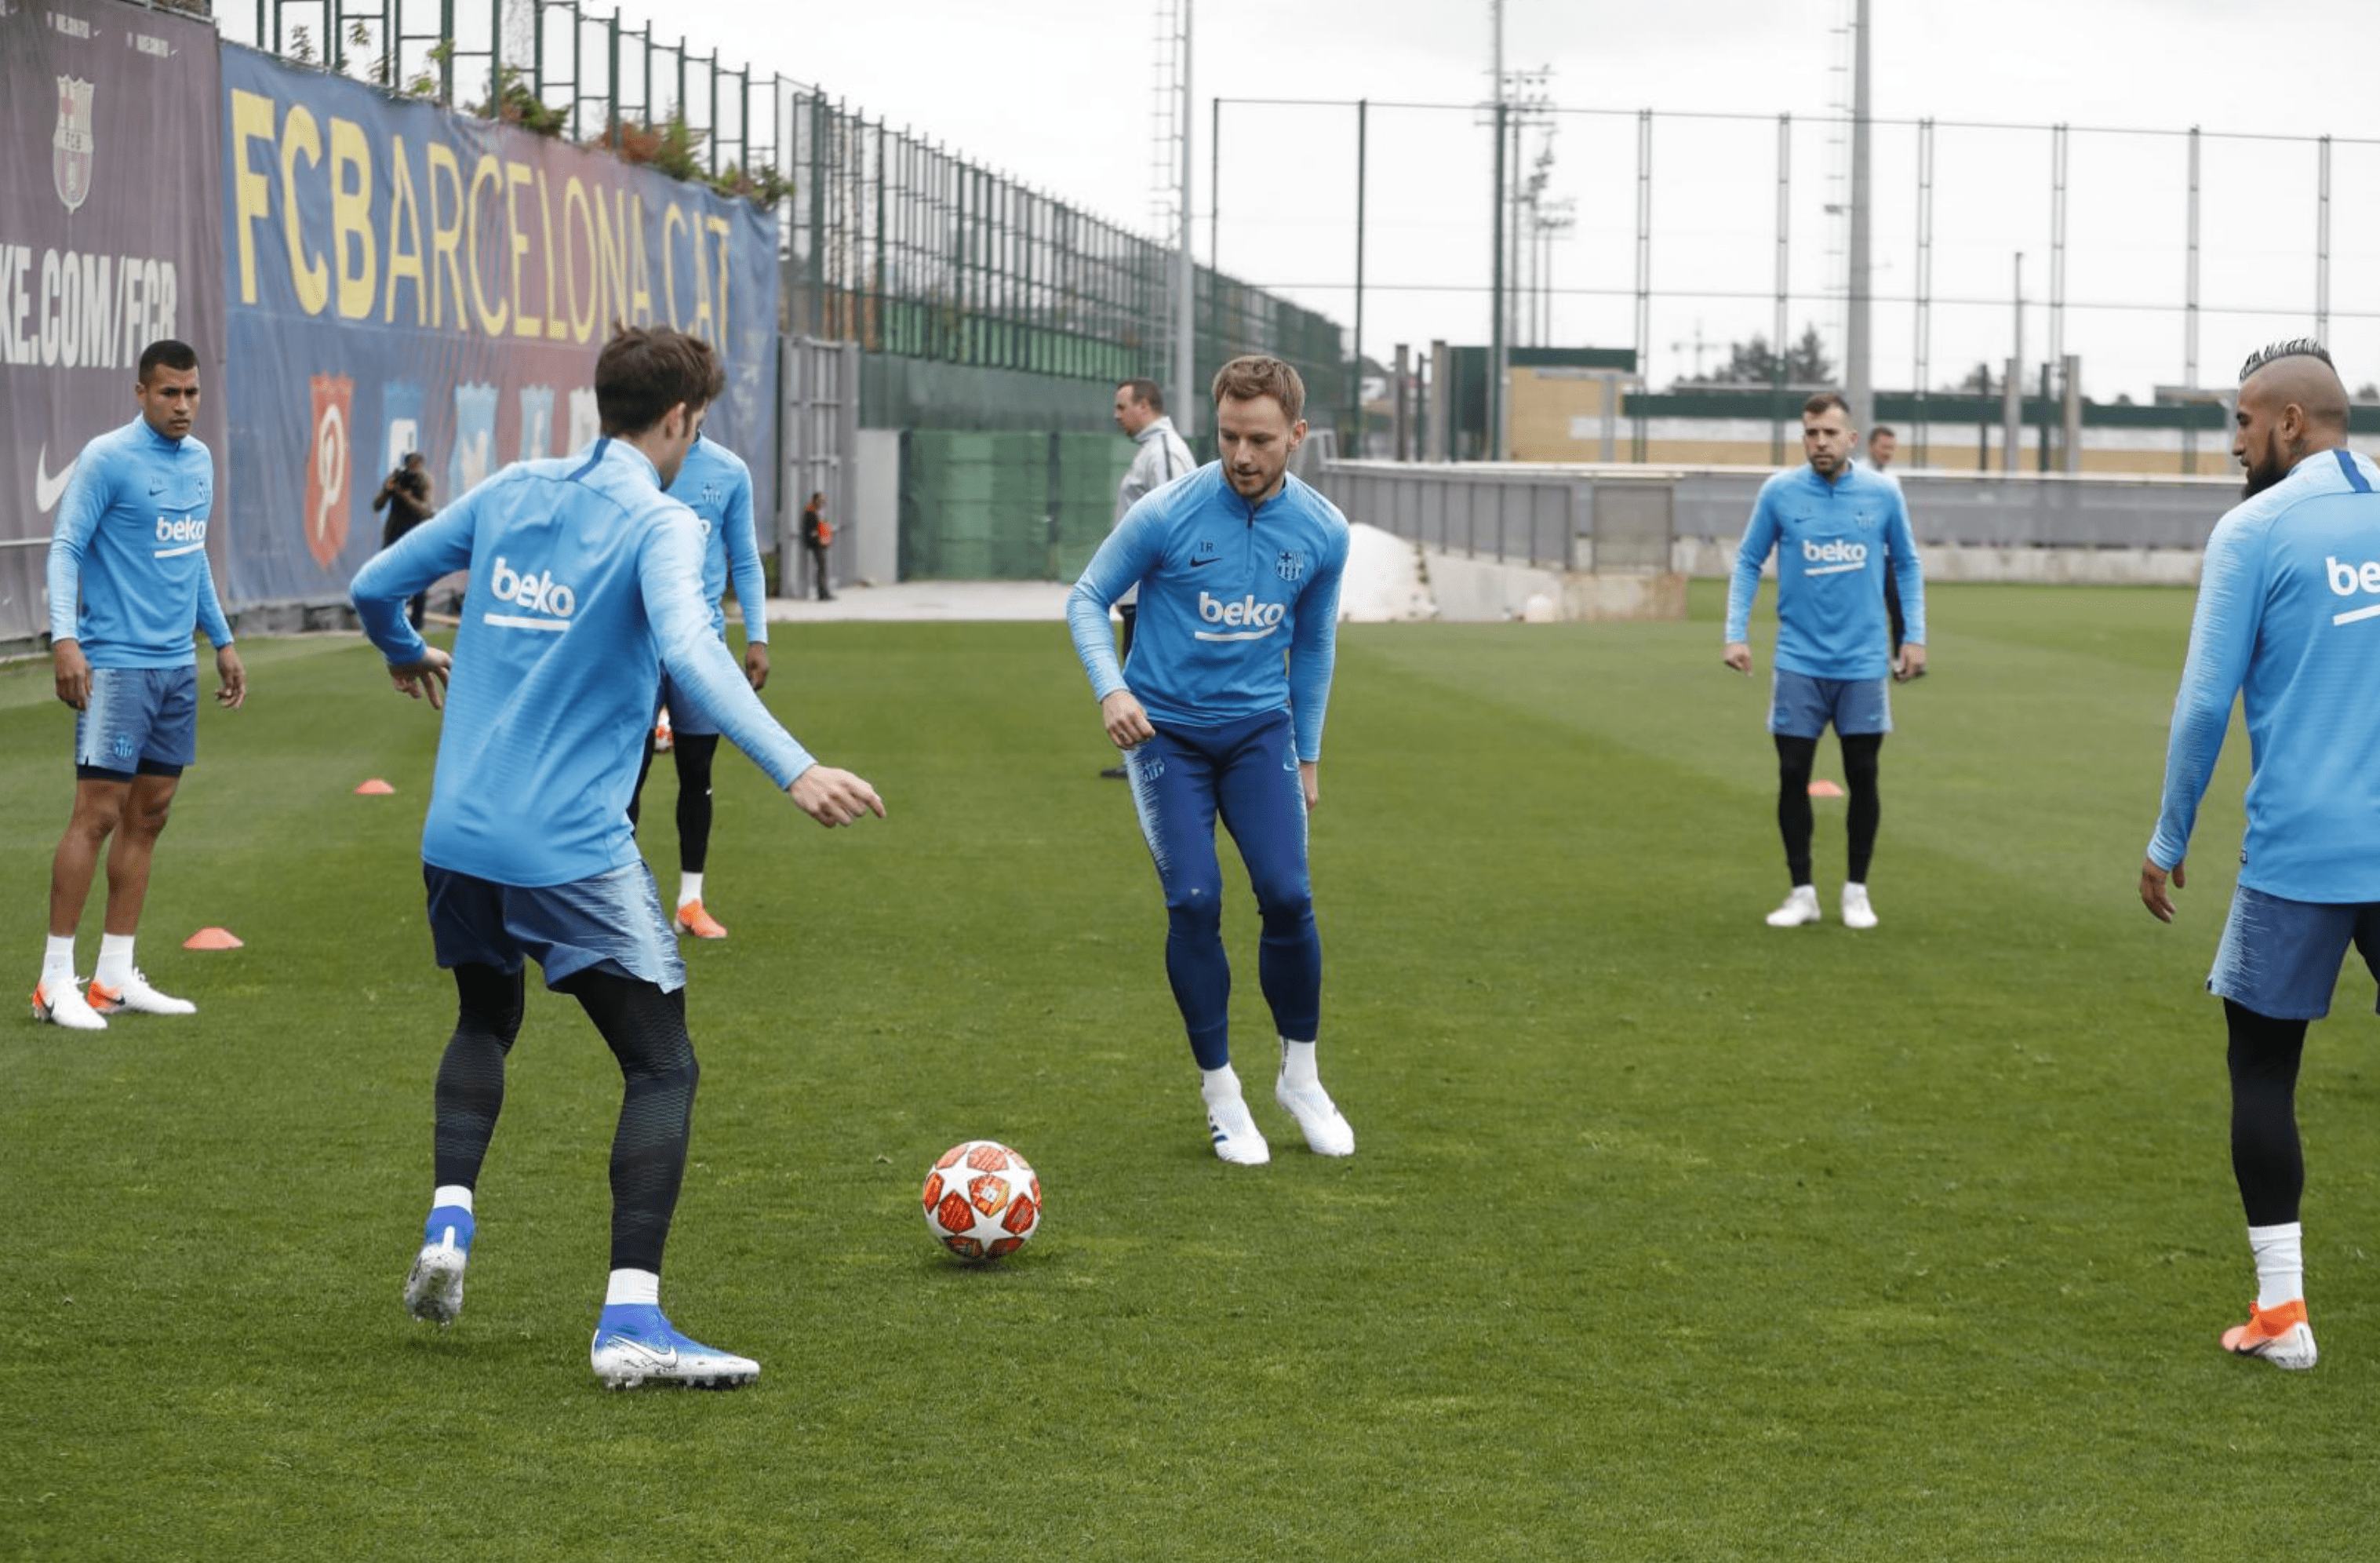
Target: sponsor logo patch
2348	579
1244	620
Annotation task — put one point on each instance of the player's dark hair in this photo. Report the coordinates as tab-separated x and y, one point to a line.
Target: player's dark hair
1882	431
1244	379
1825	400
2295	348
642	372
166	353
1145	391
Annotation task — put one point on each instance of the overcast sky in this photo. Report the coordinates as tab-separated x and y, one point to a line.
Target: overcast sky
1060	93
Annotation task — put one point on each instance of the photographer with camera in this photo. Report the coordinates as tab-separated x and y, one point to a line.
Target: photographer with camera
405	494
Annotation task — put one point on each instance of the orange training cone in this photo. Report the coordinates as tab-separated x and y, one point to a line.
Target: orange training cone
213	939
1825	790
374	787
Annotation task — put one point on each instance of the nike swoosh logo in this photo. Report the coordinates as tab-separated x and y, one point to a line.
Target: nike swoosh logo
1202	564
656	1359
46	489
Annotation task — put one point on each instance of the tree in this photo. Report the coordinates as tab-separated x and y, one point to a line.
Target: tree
1806	362
1978	381
1753	362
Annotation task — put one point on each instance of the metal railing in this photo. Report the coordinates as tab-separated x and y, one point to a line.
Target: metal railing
1630	519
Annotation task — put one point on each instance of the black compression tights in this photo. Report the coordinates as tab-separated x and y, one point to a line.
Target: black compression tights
1796	758
471	1077
646	1030
2266	1156
693	752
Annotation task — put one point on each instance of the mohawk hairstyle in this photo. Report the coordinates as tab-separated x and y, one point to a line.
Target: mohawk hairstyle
2295	348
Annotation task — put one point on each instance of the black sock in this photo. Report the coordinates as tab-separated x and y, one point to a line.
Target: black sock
646	1030
1795	757
694	752
1866	809
2266	1154
470	1090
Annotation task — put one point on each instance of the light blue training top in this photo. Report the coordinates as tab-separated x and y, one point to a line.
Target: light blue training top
1225	590
2288	618
127	571
1833	542
585	580
717	486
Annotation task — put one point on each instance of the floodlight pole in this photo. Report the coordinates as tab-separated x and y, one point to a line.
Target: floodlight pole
1186	279
1496	345
1859	388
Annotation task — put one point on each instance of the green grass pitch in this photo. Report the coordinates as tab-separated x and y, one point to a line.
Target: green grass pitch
1671	1236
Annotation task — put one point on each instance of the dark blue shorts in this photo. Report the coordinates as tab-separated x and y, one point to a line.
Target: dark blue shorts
2280	957
612	922
1800	706
141	721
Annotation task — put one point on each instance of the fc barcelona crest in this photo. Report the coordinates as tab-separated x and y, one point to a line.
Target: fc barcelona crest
72	150
1290	566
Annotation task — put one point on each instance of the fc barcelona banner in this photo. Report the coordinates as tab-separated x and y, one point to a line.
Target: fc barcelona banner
402	279
109	240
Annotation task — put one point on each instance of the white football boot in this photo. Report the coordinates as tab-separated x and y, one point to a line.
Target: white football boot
138	996
1857	914
62	1004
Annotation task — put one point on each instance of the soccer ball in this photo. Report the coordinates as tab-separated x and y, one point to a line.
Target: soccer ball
981	1200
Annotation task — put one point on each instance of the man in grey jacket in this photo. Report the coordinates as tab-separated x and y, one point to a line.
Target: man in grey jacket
1161	457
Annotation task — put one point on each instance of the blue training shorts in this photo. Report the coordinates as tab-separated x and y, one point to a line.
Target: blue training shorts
1800	706
612	921
2280	957
141	721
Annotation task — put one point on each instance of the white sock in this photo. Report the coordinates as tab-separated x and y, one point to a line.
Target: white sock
1852	886
450	1193
114	960
689	887
57	960
1297	1064
1218	1085
2280	1262
633	1286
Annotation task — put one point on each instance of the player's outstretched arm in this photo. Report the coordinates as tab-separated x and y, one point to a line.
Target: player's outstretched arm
833	797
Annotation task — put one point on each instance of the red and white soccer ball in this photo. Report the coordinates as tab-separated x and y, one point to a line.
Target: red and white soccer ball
982	1201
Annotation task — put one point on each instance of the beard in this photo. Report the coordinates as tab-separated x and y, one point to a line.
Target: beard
2262	475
